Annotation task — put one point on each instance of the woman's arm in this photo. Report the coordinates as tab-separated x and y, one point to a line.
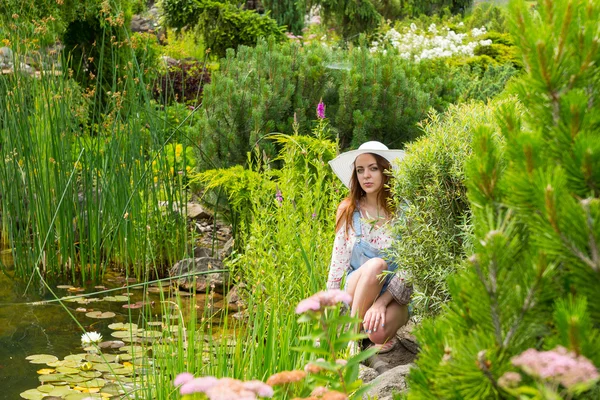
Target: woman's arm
341	252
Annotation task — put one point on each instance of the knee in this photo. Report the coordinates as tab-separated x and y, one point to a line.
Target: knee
380	336
376	266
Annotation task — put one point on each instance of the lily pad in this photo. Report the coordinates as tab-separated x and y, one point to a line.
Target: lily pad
100	314
60	391
154	323
123	334
107	367
41	358
67	370
46	371
104	358
119	326
33	394
112	344
45	388
76	357
64	286
93	383
81	396
51	378
150	334
90	374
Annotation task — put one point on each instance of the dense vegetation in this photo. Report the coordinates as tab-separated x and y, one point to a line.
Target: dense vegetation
105	135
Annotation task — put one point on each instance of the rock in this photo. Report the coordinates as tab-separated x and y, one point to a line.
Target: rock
227	249
202	252
196	212
388	383
6	57
366	374
220	281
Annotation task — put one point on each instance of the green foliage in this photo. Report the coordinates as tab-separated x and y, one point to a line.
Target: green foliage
493	17
221	25
430	187
284	217
368	96
289	13
334	331
352	17
147	54
536	212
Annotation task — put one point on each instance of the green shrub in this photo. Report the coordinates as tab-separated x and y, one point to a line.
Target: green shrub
535	201
368	96
285	216
430	187
222	26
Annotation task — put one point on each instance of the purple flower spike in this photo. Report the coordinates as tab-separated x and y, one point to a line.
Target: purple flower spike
321	110
198	385
182	378
279	197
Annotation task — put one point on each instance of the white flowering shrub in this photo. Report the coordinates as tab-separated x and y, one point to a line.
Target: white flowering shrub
418	44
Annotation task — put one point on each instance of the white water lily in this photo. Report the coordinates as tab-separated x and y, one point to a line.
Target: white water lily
90	337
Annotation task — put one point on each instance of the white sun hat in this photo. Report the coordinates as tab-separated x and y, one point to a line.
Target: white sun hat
343	165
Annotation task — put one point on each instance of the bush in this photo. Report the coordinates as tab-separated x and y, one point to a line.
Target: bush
183	82
536	211
368	96
284	217
430	187
222	25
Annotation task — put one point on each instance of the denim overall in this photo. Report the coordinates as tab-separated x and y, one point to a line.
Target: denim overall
363	251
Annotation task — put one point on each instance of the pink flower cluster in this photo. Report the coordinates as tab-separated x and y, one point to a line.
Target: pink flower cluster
558	365
323	299
222	389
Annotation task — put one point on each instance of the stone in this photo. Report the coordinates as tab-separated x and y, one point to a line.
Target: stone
227	248
366	374
219	282
388	383
196	211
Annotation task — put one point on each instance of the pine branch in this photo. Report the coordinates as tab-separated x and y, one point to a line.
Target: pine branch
585	204
491	290
527	305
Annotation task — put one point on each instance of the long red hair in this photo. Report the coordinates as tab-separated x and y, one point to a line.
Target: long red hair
384	197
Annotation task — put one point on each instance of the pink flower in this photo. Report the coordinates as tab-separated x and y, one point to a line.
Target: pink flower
509	380
182	378
308	304
558	365
323	299
260	388
321	110
199	385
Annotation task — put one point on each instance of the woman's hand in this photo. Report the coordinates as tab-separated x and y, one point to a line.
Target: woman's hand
374	317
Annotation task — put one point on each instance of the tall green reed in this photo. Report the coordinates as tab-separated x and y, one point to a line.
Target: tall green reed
118	210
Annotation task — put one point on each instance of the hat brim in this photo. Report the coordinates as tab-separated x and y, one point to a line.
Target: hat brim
343	165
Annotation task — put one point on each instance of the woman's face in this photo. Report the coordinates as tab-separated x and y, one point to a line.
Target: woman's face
370	176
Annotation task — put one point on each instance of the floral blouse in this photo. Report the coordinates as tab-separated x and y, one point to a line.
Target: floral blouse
380	238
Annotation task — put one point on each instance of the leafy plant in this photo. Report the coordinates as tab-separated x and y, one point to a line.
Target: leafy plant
535	211
183	82
221	25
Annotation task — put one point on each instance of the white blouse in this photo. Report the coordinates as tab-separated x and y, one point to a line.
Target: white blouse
379	237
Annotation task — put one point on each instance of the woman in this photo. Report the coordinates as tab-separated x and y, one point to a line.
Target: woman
362	234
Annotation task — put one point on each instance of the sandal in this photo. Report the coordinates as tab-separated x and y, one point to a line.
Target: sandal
386	347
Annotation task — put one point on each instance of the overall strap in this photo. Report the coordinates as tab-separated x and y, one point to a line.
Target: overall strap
356	223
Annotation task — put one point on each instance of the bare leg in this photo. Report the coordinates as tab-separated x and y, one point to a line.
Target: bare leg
396	315
364	286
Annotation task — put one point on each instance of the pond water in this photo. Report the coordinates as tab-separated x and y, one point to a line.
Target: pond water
27	329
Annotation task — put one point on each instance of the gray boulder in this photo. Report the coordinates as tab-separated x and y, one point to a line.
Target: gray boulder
217	282
389	382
